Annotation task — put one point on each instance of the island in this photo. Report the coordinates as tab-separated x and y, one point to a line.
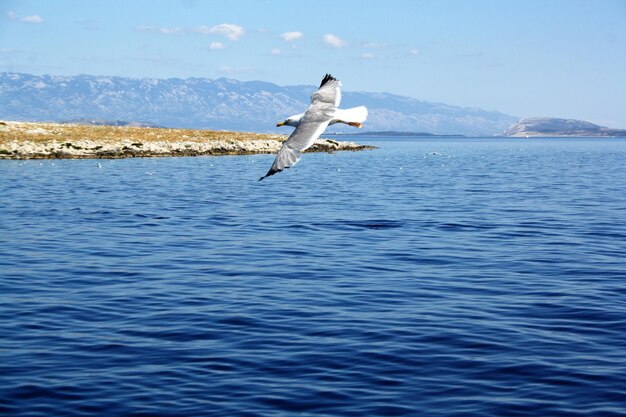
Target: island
396	134
550	126
34	140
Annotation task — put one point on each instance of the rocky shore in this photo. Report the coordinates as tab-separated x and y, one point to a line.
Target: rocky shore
29	140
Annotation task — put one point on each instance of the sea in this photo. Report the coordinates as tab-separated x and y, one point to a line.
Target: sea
427	277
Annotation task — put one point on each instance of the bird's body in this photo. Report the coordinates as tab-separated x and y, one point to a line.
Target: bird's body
355	115
309	125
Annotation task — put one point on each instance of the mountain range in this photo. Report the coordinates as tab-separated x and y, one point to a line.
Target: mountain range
256	106
222	103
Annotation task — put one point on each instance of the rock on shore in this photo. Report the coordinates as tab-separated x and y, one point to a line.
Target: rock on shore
19	140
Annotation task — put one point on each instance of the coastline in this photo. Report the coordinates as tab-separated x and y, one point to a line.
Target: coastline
36	140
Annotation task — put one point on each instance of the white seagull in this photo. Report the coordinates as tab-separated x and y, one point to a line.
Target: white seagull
311	124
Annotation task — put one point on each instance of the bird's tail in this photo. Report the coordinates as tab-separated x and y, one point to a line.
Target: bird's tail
354	115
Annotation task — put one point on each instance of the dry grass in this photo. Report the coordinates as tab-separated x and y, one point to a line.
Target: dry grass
48	132
26	140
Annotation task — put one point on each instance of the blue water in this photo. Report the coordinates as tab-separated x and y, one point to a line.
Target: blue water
441	277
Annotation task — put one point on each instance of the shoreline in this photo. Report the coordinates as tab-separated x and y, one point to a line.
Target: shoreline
38	140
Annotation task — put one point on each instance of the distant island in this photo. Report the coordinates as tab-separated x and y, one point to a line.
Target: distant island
393	133
549	126
528	127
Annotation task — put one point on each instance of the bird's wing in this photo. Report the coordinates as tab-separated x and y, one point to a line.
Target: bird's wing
329	92
306	133
301	139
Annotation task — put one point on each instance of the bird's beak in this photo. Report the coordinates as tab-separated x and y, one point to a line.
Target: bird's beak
280	124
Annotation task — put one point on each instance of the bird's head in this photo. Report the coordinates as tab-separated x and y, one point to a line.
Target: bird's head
293	121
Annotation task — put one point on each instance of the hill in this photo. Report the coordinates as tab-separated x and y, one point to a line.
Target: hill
548	126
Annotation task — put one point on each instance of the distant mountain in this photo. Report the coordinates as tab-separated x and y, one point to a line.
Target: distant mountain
221	104
548	126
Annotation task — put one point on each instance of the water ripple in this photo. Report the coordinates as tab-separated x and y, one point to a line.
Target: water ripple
483	278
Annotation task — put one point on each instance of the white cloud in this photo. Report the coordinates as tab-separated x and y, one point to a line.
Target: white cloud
368	55
334	41
34	19
216	45
229	30
171	31
275	51
375	45
291	36
162	31
414	51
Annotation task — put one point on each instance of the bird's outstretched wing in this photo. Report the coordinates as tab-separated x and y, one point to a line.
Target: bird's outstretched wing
301	139
329	92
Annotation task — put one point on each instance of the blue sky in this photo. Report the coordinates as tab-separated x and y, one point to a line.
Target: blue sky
525	58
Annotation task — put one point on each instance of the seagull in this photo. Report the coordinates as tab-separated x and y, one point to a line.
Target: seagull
311	124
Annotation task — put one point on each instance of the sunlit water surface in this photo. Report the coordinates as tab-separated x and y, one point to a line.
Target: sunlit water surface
429	278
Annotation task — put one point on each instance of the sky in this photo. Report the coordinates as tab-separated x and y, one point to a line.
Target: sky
553	58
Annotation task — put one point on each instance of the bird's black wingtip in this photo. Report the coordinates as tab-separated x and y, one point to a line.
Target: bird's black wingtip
270	173
326	79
